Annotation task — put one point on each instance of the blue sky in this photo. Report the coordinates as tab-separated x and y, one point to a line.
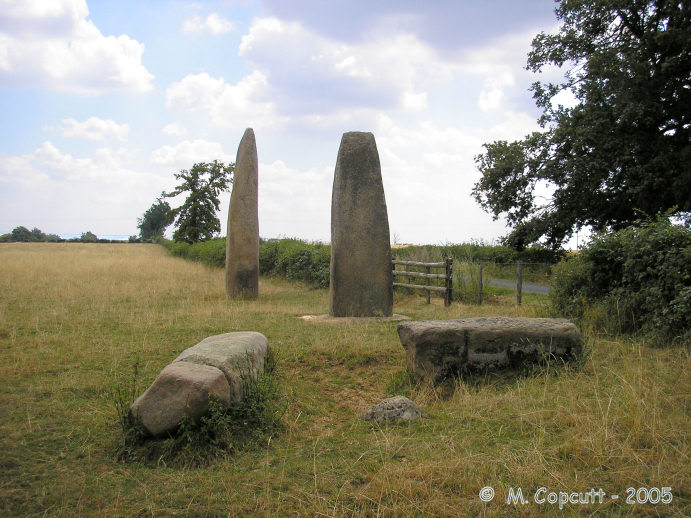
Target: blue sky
102	102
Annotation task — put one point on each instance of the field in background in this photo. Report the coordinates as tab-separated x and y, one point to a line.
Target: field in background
74	317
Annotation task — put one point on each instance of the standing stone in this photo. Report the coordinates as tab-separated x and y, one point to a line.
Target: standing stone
242	241
361	280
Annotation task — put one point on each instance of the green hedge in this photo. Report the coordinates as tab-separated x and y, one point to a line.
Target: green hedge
637	279
296	260
289	258
475	252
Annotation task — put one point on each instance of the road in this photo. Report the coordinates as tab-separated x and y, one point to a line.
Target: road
527	286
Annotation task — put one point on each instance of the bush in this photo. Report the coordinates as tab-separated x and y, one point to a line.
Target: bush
296	260
638	278
292	259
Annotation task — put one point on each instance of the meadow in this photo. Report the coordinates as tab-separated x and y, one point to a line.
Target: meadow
74	319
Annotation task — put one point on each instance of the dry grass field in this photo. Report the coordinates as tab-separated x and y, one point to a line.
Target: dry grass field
74	317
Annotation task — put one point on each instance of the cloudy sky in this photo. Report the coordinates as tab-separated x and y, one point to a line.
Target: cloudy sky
102	102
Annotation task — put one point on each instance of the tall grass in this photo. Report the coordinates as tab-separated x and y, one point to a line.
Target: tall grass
73	319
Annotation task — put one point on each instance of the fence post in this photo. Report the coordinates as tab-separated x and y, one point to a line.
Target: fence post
519	282
407	280
427	271
479	286
393	277
449	281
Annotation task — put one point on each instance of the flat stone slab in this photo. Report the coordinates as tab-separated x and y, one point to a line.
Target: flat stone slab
180	389
397	408
437	349
238	355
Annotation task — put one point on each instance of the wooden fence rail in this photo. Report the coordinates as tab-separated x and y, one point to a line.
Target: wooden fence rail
447	289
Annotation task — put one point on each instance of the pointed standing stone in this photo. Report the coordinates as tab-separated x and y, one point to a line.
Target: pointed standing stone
242	241
361	280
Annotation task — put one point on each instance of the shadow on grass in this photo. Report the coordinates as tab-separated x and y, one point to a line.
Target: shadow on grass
403	382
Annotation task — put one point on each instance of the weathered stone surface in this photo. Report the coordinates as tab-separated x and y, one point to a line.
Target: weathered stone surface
441	348
238	355
397	408
242	241
180	388
361	281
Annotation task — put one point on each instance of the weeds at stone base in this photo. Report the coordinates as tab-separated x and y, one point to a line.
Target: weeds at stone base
403	382
217	435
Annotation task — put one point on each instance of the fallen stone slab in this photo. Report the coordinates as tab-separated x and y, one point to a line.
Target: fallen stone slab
397	408
180	389
437	349
218	367
240	356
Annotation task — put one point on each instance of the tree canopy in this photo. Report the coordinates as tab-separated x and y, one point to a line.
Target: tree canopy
155	220
624	150
196	220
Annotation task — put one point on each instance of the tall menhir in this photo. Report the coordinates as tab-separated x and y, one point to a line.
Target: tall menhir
242	241
361	279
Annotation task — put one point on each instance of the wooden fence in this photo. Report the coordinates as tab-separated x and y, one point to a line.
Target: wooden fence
447	289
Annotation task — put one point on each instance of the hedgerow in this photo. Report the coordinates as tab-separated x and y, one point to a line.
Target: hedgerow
292	259
634	280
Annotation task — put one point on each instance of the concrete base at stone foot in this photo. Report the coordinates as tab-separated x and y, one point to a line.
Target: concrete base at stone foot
438	349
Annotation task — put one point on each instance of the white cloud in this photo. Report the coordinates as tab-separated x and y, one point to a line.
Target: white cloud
237	106
94	128
492	96
174	129
500	65
49	165
188	152
315	75
514	126
213	23
312	81
290	199
54	45
428	173
64	193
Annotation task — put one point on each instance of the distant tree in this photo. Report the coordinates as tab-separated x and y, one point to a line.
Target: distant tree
195	219
88	237
37	235
624	148
21	234
155	220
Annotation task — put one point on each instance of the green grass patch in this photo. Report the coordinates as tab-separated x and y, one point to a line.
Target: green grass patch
224	432
74	317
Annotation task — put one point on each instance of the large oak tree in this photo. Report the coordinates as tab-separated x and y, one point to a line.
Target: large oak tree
624	151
